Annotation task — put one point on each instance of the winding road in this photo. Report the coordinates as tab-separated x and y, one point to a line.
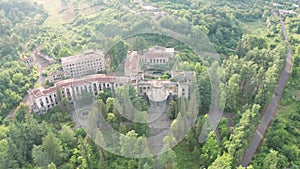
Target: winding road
270	112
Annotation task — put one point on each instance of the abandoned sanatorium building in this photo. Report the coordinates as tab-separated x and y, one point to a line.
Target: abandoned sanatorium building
157	90
44	99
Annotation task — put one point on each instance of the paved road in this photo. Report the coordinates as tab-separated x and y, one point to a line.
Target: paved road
268	116
160	126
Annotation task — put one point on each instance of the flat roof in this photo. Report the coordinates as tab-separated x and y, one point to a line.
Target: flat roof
161	49
150	55
88	54
158	52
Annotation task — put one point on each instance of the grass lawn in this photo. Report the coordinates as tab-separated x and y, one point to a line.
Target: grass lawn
55	18
256	28
53	7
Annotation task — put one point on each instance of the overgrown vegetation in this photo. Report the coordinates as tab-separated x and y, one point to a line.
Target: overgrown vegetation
17	28
281	146
251	59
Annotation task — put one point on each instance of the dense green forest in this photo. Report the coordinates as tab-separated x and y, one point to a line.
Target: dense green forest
20	21
252	49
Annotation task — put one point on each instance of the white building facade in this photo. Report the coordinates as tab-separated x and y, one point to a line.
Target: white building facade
157	55
89	62
44	99
159	90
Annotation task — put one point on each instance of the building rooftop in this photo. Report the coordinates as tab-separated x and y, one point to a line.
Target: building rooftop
37	92
161	49
148	7
41	91
288	12
47	57
88	54
276	4
158	52
150	55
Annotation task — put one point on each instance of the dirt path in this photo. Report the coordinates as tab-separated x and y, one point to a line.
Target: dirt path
41	65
